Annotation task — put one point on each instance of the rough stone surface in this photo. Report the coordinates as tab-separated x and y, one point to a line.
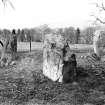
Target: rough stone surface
52	56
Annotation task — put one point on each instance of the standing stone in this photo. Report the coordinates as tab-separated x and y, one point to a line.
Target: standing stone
95	42
53	56
99	42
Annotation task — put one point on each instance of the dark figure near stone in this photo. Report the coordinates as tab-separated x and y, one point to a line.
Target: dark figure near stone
69	69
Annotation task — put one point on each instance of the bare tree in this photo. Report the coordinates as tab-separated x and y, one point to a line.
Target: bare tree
99	16
9	2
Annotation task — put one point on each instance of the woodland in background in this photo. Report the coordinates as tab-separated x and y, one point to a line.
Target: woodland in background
74	36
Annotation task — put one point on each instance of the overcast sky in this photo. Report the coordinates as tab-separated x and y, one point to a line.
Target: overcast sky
55	13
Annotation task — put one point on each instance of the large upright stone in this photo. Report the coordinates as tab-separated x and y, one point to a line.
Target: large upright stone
99	42
53	56
95	42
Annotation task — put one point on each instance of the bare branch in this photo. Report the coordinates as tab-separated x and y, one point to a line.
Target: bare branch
101	7
97	19
101	21
97	16
5	2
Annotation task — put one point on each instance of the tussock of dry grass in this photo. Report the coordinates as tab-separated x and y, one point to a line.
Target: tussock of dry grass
24	84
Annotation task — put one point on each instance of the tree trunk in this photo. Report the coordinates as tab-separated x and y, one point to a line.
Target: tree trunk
13	42
53	56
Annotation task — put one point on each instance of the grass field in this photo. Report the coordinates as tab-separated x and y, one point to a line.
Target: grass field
36	45
24	83
26	46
